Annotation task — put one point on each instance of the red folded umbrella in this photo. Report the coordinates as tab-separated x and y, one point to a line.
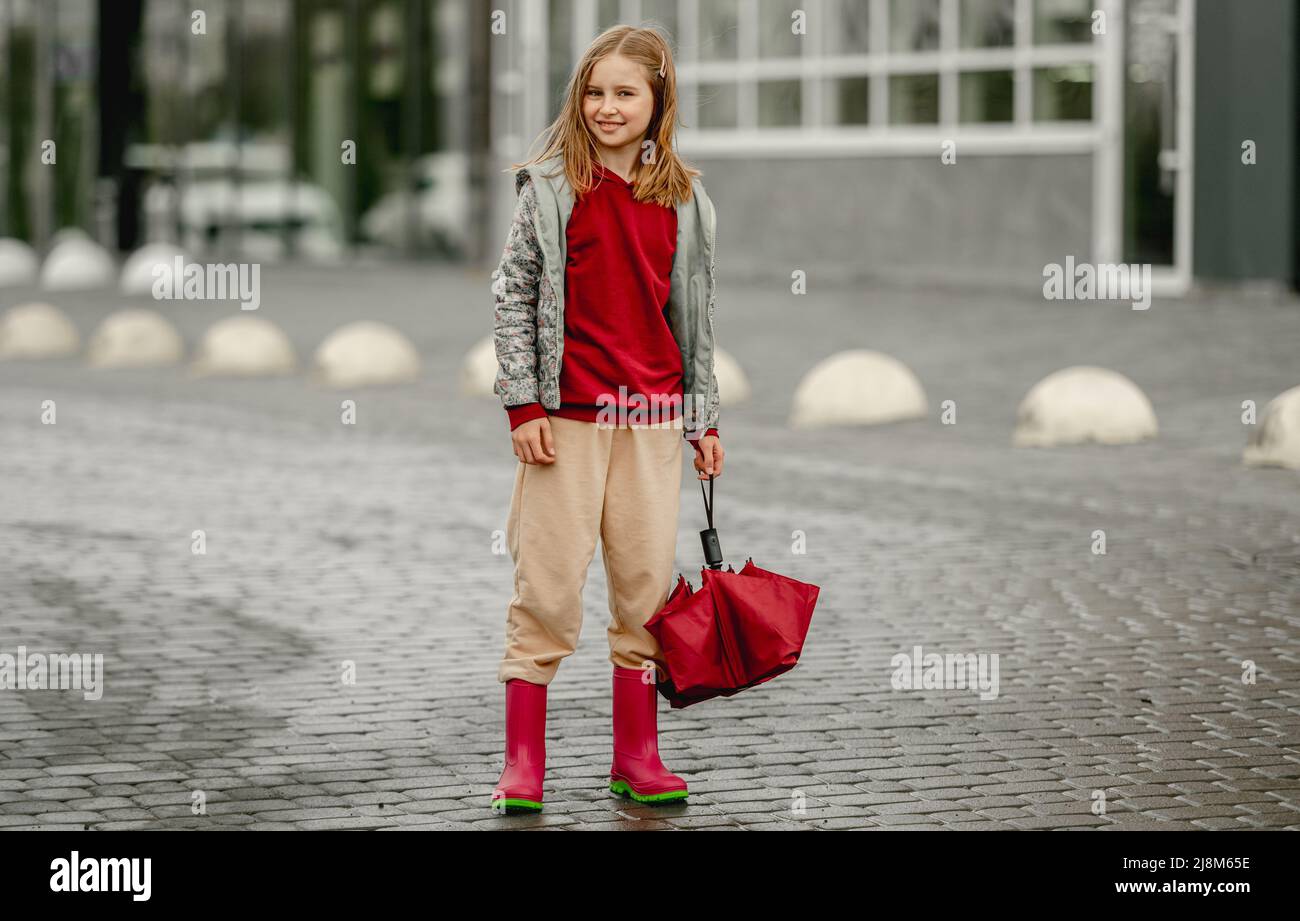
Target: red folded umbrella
739	630
687	631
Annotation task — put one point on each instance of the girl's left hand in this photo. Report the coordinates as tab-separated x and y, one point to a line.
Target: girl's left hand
708	456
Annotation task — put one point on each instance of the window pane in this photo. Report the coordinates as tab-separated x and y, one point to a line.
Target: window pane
914	99
718	105
718	27
987	96
913	25
441	207
207	78
326	70
262	129
1063	93
1057	21
852	100
1150	126
988	23
20	43
6	123
779	104
73	75
383	174
210	145
846	26
776	37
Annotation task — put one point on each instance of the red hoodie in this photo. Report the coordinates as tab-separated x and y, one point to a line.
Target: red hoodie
620	258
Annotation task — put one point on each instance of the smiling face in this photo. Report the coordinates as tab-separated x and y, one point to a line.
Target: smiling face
617	104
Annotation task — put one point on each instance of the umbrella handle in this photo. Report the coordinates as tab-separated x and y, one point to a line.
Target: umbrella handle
712	548
709	536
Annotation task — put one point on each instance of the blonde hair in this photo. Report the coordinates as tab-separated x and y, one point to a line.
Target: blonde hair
665	180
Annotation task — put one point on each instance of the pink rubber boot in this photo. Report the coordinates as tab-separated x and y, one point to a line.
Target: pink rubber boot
520	786
637	771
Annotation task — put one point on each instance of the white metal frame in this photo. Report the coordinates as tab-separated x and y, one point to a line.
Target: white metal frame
948	62
815	137
1108	218
1108	158
1102	136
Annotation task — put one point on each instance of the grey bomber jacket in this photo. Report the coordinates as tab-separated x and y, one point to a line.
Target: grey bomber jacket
528	286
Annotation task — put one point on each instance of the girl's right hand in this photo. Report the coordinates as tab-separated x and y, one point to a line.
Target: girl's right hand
532	441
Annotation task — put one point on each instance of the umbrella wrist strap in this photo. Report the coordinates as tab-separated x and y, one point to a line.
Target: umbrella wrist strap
709	536
708	500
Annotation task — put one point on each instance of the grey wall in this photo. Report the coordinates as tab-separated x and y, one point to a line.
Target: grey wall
1246	73
984	219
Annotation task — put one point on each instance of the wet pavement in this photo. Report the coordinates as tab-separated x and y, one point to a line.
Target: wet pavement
330	660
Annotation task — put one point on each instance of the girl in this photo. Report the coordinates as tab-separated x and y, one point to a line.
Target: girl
604	337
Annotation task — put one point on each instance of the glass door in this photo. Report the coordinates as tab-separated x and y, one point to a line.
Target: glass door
1158	139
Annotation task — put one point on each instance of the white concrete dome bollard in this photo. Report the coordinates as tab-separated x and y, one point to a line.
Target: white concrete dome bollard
733	385
478	371
64	234
75	263
135	338
138	273
244	346
366	353
857	387
18	264
1275	442
37	331
1082	404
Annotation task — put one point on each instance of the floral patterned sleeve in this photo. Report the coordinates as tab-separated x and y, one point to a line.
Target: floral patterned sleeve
515	287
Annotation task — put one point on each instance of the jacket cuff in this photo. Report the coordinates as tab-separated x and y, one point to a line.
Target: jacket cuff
695	442
515	391
525	412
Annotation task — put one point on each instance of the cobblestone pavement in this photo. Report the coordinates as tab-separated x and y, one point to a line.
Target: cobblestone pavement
1120	674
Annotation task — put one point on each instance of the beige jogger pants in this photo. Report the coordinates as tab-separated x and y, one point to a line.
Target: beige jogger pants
622	485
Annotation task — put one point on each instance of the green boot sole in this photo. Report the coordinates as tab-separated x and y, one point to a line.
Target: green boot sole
622	788
511	806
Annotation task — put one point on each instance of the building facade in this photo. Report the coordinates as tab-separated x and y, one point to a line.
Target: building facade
965	141
268	128
949	141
